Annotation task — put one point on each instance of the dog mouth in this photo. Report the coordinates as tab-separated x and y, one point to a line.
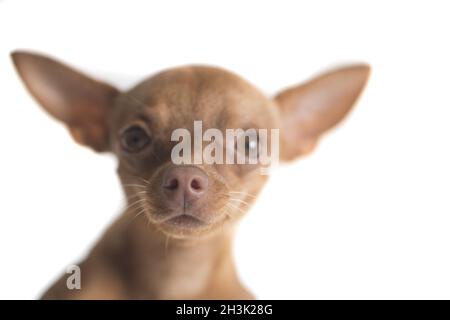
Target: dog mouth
185	221
182	224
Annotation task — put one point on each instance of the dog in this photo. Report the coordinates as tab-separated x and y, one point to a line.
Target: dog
195	205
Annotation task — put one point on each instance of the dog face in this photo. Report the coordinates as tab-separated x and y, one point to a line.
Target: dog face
193	198
187	199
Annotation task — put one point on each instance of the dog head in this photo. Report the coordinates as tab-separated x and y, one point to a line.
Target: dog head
187	113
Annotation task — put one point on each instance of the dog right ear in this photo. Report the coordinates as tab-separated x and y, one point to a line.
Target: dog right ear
77	100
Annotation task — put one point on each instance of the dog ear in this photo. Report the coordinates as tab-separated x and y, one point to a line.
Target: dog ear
309	110
77	100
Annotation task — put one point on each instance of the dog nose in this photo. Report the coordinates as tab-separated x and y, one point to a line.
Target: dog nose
184	184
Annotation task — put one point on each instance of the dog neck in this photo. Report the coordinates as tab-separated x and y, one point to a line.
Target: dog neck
166	268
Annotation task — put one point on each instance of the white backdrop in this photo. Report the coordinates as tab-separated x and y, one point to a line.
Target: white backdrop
366	216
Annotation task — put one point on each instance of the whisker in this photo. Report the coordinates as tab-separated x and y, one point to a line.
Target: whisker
244	193
134	185
241	201
130	177
139	213
236	207
137	194
135	203
147	182
227	212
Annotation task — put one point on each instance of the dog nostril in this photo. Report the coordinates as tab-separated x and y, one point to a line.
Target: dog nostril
172	184
196	185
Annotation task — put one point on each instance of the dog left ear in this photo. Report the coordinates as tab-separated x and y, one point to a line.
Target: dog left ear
309	110
80	102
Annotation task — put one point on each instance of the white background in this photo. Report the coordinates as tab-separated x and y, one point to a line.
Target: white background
366	216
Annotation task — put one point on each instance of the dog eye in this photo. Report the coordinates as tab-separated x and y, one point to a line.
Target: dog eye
251	146
134	139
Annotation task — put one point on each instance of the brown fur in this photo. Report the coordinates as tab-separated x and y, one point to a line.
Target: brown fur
141	256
